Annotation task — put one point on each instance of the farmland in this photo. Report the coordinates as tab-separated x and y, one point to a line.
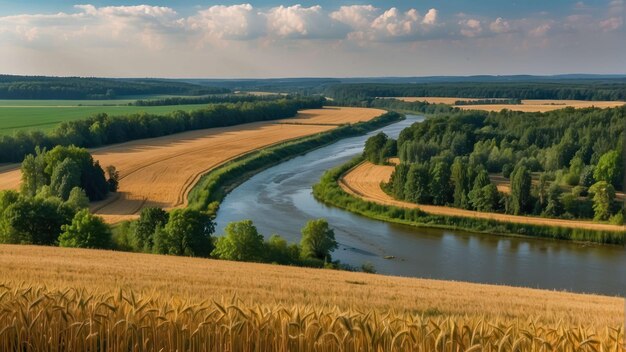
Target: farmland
364	181
161	171
45	115
528	105
134	286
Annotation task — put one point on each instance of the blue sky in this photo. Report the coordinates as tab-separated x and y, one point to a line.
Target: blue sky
274	38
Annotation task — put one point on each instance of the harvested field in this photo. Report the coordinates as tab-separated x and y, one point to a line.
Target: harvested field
195	280
161	171
365	179
526	106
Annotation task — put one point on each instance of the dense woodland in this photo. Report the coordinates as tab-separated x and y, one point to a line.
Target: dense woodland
208	99
602	90
39	87
103	129
565	163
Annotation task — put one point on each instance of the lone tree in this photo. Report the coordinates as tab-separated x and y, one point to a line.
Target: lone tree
318	240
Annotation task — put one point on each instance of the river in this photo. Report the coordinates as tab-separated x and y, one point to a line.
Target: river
279	200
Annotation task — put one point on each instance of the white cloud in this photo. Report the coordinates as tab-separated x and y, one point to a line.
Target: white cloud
358	17
541	30
470	27
237	22
303	22
612	24
500	26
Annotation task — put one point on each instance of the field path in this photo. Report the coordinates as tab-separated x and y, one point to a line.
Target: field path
161	171
364	181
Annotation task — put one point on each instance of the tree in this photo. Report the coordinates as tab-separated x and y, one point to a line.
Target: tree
35	220
33	173
398	180
318	240
604	194
460	180
520	189
609	168
86	231
188	232
416	188
113	178
149	220
440	183
374	147
77	198
241	242
281	252
65	177
554	206
486	198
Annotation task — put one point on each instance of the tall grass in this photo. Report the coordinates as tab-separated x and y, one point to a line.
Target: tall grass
329	192
34	318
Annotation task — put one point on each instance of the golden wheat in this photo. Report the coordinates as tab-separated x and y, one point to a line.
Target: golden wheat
34	318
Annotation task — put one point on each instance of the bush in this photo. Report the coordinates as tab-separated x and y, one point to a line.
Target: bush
86	231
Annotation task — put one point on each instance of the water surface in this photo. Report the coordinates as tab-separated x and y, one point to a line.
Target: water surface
279	200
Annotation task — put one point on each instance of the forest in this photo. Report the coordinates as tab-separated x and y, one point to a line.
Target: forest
40	87
564	164
103	129
600	90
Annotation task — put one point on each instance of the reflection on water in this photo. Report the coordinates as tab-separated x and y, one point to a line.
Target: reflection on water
279	200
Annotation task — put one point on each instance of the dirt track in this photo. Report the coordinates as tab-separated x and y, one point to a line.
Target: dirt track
161	171
365	179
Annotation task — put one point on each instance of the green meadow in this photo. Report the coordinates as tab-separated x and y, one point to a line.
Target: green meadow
45	115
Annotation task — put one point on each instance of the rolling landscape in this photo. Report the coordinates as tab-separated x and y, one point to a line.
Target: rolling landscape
382	176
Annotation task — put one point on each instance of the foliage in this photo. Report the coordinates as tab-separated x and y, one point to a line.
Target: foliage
610	168
85	231
64	168
329	192
187	232
318	240
604	194
241	242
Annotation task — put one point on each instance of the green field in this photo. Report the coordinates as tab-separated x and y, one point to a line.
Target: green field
44	115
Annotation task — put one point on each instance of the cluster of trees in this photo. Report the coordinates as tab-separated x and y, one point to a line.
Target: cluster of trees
189	232
62	169
566	163
514	101
329	192
51	208
591	90
103	129
40	87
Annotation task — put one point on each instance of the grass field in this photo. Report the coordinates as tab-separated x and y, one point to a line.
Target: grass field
92	299
526	105
161	171
44	115
365	179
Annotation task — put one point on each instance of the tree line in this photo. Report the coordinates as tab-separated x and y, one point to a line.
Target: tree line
566	163
593	90
208	99
41	87
103	129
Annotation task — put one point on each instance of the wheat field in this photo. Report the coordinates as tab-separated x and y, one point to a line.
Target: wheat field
527	105
161	171
55	299
365	179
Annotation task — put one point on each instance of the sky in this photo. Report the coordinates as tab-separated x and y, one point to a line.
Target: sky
323	38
